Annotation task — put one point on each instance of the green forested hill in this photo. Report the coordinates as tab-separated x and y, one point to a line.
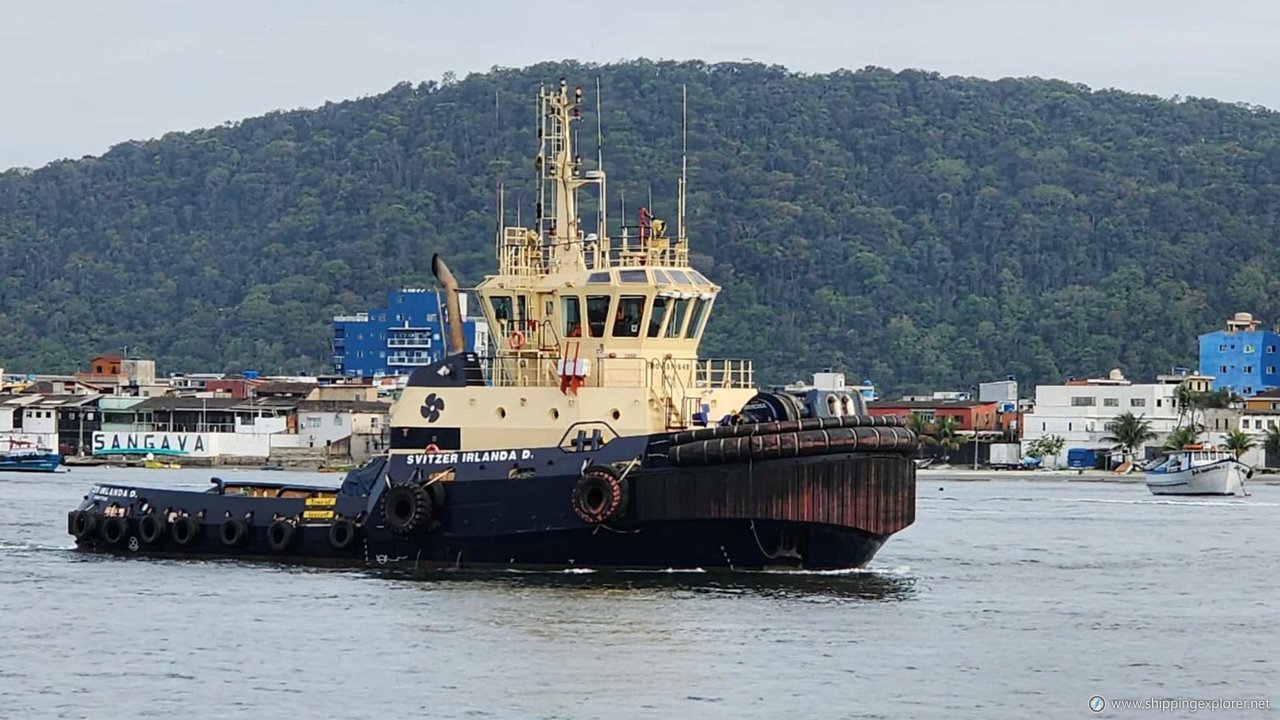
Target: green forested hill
918	230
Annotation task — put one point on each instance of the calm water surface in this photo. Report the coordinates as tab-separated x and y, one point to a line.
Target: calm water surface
1006	599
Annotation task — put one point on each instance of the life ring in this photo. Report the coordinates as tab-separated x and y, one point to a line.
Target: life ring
341	534
151	529
431	448
516	338
599	495
280	534
114	530
185	531
84	524
234	532
406	508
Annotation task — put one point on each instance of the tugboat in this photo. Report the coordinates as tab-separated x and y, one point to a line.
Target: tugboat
592	434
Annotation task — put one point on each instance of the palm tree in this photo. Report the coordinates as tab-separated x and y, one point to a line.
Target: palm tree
1271	444
1047	446
1187	401
1130	432
918	424
1182	436
1238	442
946	437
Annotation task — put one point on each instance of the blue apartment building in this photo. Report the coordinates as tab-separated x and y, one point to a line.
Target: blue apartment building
1242	358
402	336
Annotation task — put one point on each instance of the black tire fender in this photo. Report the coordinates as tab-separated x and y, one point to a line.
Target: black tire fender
234	532
114	530
280	534
342	533
600	495
151	529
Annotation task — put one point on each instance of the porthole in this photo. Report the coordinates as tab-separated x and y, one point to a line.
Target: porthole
615	414
502	413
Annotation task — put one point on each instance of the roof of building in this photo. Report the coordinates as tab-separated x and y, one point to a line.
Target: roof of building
1265	394
38	400
355	406
285	388
928	404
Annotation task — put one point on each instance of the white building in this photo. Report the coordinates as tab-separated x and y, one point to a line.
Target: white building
1079	410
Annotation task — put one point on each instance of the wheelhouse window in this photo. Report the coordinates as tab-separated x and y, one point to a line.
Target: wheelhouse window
572	316
598	277
633	276
680	277
626	321
501	307
659	313
695	320
678	312
597	314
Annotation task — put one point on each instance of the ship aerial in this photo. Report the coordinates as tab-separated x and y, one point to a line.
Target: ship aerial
591	434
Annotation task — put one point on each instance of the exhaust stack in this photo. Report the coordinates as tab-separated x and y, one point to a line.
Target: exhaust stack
450	285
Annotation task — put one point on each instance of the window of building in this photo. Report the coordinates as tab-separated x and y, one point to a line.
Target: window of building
1084	401
337	420
1110	402
597	314
655	319
1248	369
1248	348
626	321
1222	369
1042	427
382	317
1137	402
1222	347
359	353
572	316
1247	391
1244	424
1271	348
1257	424
1271	369
678	312
1068	427
313	422
382	353
1271	424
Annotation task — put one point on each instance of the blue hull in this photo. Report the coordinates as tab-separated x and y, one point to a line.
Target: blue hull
42	462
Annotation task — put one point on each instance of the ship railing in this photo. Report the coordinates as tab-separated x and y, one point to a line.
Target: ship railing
724	373
509	369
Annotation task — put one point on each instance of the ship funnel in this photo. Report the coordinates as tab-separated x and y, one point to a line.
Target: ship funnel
450	285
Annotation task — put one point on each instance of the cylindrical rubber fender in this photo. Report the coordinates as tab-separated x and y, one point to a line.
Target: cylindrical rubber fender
234	532
151	529
185	531
772	446
114	530
600	495
767	428
280	534
406	508
341	534
84	524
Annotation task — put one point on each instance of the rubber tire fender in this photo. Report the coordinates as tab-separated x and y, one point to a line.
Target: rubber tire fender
85	524
600	495
185	531
234	532
342	533
406	508
281	534
114	530
151	529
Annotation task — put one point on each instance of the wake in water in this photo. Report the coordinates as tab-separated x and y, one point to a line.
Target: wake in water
14	546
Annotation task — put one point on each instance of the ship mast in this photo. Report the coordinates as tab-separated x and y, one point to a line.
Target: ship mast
560	176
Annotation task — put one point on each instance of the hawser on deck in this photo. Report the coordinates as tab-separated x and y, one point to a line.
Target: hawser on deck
592	434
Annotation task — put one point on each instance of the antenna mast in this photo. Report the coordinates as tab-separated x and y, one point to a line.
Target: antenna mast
602	217
684	160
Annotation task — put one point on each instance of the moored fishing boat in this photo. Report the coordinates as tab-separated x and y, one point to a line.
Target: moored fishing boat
24	456
1199	470
592	434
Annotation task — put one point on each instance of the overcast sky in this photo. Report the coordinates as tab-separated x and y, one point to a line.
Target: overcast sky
77	76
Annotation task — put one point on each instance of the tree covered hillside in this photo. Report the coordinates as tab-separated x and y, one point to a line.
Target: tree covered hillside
919	230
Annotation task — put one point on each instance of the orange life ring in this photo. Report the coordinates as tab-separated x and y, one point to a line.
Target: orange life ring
516	339
431	448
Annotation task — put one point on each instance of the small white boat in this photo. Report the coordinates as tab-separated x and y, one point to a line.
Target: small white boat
1199	471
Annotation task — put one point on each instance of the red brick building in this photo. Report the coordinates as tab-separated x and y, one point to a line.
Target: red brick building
969	414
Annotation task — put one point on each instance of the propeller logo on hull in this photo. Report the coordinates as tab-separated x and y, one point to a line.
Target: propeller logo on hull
432	407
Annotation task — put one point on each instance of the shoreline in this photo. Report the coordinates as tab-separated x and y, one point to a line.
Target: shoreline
966	474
